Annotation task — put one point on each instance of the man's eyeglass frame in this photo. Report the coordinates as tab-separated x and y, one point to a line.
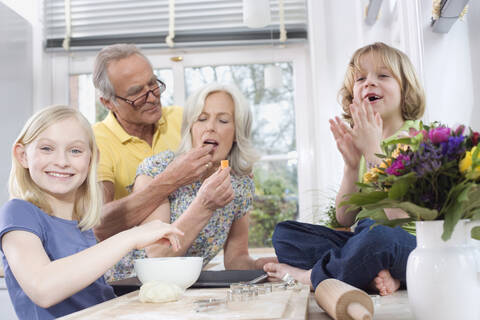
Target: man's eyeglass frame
161	85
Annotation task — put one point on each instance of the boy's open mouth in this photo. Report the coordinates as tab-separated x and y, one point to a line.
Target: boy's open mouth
373	98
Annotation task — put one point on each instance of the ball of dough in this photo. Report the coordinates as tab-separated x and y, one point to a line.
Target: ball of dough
158	291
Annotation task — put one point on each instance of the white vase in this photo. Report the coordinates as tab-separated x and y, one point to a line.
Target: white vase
442	276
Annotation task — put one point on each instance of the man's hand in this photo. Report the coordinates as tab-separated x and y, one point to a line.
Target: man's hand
191	166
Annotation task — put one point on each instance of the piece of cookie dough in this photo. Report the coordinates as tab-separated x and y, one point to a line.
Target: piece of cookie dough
158	291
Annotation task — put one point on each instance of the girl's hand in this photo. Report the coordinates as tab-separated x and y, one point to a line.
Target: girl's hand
216	191
367	129
345	144
156	232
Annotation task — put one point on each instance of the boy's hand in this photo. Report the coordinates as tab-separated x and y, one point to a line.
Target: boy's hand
367	130
345	144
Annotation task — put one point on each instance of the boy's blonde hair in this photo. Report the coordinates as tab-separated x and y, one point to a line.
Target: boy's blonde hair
412	94
89	200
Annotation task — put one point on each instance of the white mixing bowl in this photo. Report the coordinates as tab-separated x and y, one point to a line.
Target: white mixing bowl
182	271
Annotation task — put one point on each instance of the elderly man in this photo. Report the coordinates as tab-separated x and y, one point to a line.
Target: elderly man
136	127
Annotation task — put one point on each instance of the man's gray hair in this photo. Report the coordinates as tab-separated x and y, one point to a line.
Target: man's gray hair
104	57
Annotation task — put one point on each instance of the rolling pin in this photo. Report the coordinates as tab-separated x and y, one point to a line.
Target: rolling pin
343	301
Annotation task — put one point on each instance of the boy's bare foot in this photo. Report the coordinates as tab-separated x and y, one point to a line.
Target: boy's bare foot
385	283
279	270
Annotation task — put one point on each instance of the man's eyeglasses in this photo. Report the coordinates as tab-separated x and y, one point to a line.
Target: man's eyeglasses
140	101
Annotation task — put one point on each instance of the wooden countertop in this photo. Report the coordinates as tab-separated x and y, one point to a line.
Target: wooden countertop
288	304
386	308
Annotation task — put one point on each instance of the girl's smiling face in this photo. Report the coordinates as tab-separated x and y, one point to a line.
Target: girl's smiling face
376	85
58	160
216	125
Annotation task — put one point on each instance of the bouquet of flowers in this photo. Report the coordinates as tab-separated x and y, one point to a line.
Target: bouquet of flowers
433	174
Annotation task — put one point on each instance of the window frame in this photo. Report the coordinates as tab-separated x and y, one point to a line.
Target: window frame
297	54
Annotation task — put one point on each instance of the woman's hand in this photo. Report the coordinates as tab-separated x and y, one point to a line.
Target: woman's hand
216	191
345	144
155	232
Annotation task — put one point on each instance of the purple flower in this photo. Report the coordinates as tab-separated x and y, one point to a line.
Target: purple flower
427	159
439	134
453	148
398	165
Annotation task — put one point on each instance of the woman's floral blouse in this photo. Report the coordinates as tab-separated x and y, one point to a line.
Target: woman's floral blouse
213	236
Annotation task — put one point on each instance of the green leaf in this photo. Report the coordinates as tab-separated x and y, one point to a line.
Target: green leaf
414	211
475	156
398	190
476	215
405	140
375	214
401	185
360	199
455	212
475	233
365	185
394	223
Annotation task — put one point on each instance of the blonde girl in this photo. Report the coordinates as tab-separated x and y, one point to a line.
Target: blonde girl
53	265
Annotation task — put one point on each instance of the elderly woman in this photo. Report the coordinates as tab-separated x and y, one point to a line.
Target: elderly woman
218	115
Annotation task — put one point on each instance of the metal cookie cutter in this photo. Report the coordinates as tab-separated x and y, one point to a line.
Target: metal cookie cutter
238	292
289	281
209	304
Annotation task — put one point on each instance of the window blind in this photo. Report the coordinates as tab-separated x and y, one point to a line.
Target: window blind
96	23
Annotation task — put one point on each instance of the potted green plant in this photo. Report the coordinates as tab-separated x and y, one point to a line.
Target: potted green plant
331	221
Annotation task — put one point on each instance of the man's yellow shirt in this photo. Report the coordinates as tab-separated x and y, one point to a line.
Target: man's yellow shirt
121	153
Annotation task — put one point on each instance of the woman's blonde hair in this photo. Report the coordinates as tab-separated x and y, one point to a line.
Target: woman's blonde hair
412	94
242	156
89	200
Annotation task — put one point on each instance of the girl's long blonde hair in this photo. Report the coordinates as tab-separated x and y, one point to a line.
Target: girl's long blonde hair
88	202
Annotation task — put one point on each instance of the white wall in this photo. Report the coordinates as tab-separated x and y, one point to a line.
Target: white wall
448	64
32	11
336	30
473	24
16	79
16	86
452	69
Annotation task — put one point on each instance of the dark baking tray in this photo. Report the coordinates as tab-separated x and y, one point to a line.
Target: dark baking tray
207	279
223	279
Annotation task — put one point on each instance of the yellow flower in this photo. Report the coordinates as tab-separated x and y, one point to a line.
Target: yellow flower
386	163
465	165
371	175
400	147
